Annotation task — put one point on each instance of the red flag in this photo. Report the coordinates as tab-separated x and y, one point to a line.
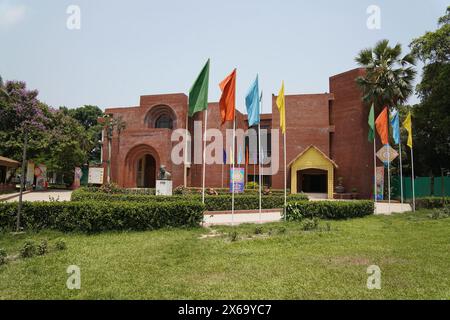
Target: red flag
382	126
227	101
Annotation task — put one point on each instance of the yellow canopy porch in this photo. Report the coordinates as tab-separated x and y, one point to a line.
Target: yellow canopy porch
312	172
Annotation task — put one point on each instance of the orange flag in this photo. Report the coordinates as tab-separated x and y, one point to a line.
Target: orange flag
382	126
227	101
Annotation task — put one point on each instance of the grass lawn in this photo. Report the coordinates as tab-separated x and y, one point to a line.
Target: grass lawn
412	250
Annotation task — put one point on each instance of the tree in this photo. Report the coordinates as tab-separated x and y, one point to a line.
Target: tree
388	79
431	118
88	116
21	111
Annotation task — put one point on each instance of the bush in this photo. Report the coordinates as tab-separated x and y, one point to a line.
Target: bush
93	216
258	230
431	202
29	249
3	256
310	224
252	185
329	209
60	245
212	202
42	248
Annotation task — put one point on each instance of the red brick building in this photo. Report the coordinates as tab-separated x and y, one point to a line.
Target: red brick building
326	139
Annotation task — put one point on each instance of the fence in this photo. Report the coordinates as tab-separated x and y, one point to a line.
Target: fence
423	187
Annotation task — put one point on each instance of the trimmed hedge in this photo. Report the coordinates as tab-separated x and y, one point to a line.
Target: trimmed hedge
329	209
90	216
212	203
431	202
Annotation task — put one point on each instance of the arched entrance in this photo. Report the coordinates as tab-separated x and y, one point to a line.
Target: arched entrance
140	167
146	172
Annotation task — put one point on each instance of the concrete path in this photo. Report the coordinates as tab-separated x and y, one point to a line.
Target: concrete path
388	209
244	216
60	195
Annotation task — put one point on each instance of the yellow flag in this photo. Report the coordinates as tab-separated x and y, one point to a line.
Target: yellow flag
281	108
408	126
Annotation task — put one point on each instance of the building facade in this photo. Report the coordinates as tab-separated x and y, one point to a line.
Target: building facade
326	138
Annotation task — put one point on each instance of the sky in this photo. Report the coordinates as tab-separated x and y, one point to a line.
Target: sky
124	49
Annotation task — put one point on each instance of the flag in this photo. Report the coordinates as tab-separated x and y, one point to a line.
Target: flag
281	108
252	103
227	101
395	126
382	125
198	94
371	122
408	126
224	156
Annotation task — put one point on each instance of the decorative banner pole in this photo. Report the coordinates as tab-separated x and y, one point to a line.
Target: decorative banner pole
204	156
198	101
407	124
259	162
227	106
371	138
282	109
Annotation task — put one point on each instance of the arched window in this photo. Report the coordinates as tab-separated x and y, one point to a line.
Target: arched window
161	116
164	121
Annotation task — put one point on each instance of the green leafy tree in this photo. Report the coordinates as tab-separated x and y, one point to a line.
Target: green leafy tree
431	118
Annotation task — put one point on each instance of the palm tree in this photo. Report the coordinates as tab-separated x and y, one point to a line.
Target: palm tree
388	79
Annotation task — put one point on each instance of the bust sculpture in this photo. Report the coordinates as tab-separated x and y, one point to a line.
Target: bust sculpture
164	174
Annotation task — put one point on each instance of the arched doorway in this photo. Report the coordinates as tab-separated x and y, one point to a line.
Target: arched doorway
140	167
146	172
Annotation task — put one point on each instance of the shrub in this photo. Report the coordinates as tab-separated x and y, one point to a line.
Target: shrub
212	202
3	256
440	213
252	185
93	216
42	248
29	249
431	202
310	224
329	209
60	245
233	236
258	230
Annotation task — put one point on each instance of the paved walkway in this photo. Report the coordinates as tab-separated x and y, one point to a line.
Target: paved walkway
60	195
252	216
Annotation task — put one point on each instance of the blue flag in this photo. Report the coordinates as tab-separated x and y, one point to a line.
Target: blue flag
395	123
252	103
224	157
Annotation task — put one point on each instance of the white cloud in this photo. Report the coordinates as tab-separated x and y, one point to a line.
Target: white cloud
11	14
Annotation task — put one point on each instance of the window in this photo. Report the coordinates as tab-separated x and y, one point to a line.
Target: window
164	121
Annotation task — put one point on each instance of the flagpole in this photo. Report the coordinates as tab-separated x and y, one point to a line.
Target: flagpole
412	178
186	152
401	169
259	164
285	169
222	172
204	156
375	172
232	171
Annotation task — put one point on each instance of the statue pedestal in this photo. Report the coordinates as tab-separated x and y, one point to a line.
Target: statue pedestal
163	187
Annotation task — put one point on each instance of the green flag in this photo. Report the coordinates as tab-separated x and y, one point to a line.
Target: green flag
198	94
371	122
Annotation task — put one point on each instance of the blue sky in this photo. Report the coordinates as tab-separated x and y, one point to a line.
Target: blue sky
129	48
